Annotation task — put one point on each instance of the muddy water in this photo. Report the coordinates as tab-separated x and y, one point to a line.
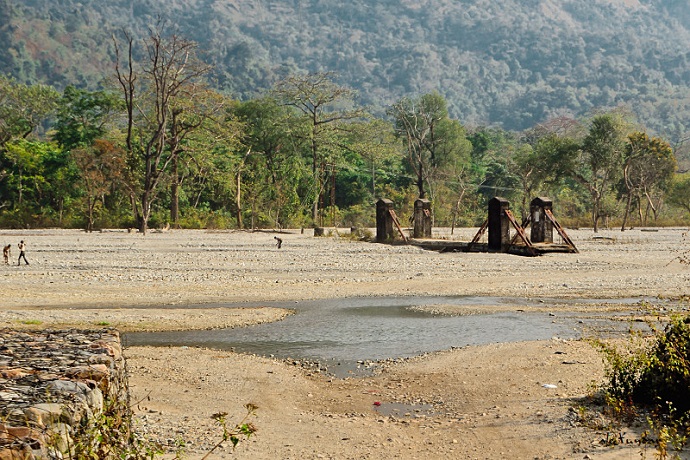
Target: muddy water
345	333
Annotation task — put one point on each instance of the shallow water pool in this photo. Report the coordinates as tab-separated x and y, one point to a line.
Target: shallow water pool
343	334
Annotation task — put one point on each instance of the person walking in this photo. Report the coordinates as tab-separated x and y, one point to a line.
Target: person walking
22	253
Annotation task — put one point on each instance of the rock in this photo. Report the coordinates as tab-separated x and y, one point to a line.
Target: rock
44	414
53	380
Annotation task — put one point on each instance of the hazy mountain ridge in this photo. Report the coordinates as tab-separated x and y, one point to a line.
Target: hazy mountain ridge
508	62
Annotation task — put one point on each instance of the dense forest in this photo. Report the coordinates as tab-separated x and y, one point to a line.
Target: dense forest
504	63
292	113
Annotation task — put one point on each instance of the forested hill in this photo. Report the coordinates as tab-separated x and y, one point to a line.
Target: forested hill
508	62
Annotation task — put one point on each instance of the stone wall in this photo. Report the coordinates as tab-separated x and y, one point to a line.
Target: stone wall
57	388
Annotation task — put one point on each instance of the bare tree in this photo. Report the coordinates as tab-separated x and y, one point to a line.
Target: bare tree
162	111
416	122
437	146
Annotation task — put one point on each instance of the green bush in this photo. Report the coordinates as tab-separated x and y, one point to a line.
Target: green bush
359	216
655	373
665	379
652	376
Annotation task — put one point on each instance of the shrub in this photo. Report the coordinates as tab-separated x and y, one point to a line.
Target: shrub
359	216
665	379
653	375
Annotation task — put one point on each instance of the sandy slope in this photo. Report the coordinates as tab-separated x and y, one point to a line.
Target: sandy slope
474	402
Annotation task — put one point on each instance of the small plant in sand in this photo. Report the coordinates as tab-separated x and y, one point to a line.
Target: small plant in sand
110	436
243	429
31	322
651	376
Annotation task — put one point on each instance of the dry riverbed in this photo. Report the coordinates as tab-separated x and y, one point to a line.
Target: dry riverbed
504	400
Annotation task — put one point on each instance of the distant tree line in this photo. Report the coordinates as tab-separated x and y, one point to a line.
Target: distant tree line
162	146
509	63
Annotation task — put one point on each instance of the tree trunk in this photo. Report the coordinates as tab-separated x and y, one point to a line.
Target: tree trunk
238	199
175	195
639	210
524	212
420	181
373	179
628	203
89	217
145	212
317	174
61	209
651	206
136	215
596	201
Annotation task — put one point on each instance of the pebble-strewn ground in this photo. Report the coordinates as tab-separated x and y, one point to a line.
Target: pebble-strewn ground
119	269
488	402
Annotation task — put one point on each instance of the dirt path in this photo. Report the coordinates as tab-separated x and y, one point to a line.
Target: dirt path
473	402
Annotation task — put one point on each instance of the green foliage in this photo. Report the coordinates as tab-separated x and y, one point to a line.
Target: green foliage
665	380
263	164
624	368
39	181
654	374
242	430
205	218
497	63
680	191
83	116
23	108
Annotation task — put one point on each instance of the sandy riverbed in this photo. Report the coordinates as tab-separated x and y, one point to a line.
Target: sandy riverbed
474	402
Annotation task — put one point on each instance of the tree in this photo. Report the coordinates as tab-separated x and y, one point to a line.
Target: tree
529	168
542	161
598	163
275	139
40	180
679	193
416	123
453	173
23	108
490	170
101	167
26	158
376	143
649	164
61	188
325	104
83	116
438	151
202	122
160	101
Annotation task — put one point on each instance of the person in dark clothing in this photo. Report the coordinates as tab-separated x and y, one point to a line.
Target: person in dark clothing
22	253
279	241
